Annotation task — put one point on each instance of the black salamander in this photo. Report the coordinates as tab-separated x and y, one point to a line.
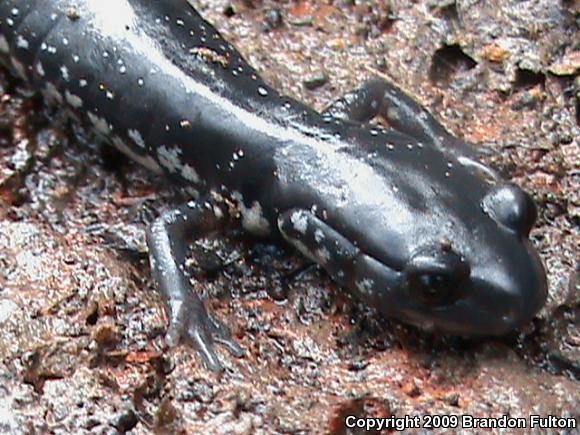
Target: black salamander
406	217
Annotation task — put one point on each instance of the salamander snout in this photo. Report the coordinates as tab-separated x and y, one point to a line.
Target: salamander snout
511	207
436	276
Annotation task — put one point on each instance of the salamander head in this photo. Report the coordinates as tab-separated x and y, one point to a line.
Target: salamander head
468	267
441	250
466	292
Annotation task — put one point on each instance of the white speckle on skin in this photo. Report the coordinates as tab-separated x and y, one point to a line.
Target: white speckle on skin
21	42
76	58
40	69
318	235
169	158
217	197
193	192
72	114
4	47
299	221
20	69
365	286
64	72
218	212
323	255
393	113
189	173
299	246
144	160
72	99
296	243
52	94
253	219
100	124
136	137
83	83
51	49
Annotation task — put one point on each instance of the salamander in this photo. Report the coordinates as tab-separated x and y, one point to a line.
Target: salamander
407	218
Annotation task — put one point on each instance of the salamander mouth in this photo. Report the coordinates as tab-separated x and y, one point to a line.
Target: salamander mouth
487	306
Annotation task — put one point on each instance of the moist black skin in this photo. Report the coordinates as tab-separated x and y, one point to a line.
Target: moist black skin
407	218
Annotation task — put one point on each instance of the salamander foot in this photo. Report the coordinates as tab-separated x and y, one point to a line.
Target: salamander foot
190	323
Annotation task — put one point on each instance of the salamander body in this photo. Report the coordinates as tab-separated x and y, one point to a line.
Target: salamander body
406	218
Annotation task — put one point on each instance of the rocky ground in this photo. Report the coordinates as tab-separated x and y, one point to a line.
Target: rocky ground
81	346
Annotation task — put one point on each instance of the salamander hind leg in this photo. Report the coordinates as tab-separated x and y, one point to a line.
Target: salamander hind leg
188	318
379	97
360	105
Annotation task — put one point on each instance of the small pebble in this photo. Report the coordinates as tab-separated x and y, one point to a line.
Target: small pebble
273	19
315	82
229	11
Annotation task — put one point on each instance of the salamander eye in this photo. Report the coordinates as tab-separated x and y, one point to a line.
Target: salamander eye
436	277
432	288
512	207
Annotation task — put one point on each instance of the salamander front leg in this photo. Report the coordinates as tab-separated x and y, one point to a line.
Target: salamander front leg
188	318
320	243
339	257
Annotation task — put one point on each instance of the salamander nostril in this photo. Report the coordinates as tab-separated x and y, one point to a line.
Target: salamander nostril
511	207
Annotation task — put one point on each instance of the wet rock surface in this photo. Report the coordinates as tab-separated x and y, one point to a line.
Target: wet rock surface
82	328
